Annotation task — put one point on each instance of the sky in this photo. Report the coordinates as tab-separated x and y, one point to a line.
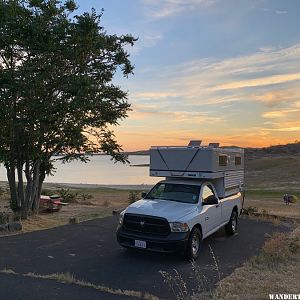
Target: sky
223	71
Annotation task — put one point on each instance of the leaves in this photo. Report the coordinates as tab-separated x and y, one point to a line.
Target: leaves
56	91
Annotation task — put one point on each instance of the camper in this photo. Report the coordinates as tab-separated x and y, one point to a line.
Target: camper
200	193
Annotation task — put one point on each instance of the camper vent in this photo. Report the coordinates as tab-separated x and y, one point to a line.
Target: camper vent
194	144
214	145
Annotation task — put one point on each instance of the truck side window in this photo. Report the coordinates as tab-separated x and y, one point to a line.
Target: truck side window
207	192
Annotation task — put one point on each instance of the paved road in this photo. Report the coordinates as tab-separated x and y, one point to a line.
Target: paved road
90	252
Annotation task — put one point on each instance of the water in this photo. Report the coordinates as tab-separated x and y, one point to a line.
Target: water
100	170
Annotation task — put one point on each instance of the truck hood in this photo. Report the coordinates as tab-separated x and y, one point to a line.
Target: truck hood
170	210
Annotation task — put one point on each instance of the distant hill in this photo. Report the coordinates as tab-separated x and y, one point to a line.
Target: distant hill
291	149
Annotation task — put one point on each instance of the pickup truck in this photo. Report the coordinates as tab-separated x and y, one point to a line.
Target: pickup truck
176	215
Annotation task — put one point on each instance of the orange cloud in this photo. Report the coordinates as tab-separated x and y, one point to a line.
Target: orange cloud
269	80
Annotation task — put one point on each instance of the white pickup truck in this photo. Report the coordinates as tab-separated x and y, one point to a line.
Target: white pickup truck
176	215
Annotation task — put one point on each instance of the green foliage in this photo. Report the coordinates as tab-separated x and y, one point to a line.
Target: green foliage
47	192
85	196
68	195
3	218
293	198
250	210
133	196
56	90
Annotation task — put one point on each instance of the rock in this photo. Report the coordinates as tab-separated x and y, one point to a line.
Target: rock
15	226
73	220
3	227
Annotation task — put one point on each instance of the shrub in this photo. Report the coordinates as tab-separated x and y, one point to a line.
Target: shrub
47	192
68	195
133	196
277	249
85	196
293	198
250	210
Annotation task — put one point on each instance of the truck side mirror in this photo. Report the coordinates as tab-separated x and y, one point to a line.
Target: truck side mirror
211	200
144	194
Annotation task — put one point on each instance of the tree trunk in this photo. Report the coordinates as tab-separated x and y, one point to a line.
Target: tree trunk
21	198
35	187
12	187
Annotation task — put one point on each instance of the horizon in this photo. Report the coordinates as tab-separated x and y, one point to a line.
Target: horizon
218	71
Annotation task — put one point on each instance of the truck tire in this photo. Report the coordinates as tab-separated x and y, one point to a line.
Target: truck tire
194	244
231	226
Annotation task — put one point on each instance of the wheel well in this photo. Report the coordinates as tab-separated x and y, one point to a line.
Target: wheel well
199	227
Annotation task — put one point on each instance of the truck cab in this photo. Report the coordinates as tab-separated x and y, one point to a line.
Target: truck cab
176	215
180	211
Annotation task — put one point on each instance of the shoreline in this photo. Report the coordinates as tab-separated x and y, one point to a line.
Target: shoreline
94	185
109	186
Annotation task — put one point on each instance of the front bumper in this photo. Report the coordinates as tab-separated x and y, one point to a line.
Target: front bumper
174	242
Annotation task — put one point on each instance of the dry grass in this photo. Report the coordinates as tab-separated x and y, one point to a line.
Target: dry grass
268	179
68	278
274	270
102	203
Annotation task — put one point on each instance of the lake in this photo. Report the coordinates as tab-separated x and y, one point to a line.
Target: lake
100	170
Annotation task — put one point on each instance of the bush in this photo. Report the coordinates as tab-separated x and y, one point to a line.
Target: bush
250	210
278	249
133	196
293	198
47	192
85	196
3	218
68	195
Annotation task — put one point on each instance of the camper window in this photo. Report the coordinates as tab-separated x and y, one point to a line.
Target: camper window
238	160
223	160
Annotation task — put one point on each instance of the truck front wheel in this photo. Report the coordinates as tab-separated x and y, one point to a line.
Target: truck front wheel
231	226
194	244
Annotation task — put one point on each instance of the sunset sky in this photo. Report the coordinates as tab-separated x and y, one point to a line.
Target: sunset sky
218	70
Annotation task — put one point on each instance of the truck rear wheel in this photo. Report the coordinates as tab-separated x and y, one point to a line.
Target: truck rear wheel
194	244
231	226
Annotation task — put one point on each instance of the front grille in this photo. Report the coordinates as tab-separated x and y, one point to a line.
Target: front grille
146	224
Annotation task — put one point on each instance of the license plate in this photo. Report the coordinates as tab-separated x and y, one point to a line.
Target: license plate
140	244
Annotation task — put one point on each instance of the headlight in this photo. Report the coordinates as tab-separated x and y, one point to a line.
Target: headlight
121	218
179	227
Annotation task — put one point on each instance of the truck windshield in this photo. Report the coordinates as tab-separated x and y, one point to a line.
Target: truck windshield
175	192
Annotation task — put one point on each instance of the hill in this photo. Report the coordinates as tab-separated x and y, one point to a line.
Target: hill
291	149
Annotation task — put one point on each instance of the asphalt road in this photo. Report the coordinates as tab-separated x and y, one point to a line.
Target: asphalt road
90	252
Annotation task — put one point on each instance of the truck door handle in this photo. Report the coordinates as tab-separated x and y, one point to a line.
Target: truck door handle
206	218
217	205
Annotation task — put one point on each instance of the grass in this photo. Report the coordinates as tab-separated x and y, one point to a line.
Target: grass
273	173
101	204
272	202
274	270
68	278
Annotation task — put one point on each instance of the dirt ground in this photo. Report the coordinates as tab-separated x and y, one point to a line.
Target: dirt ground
101	202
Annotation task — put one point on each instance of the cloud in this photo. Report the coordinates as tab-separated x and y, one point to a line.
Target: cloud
274	97
152	95
251	99
159	9
266	80
259	77
287	129
281	12
161	113
280	113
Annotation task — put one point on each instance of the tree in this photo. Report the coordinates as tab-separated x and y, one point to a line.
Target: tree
56	91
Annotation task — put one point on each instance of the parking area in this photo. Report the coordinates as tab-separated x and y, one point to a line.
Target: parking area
89	252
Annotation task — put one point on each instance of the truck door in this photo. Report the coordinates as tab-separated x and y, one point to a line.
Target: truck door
212	213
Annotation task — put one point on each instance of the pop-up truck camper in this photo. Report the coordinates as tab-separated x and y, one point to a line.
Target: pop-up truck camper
201	192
